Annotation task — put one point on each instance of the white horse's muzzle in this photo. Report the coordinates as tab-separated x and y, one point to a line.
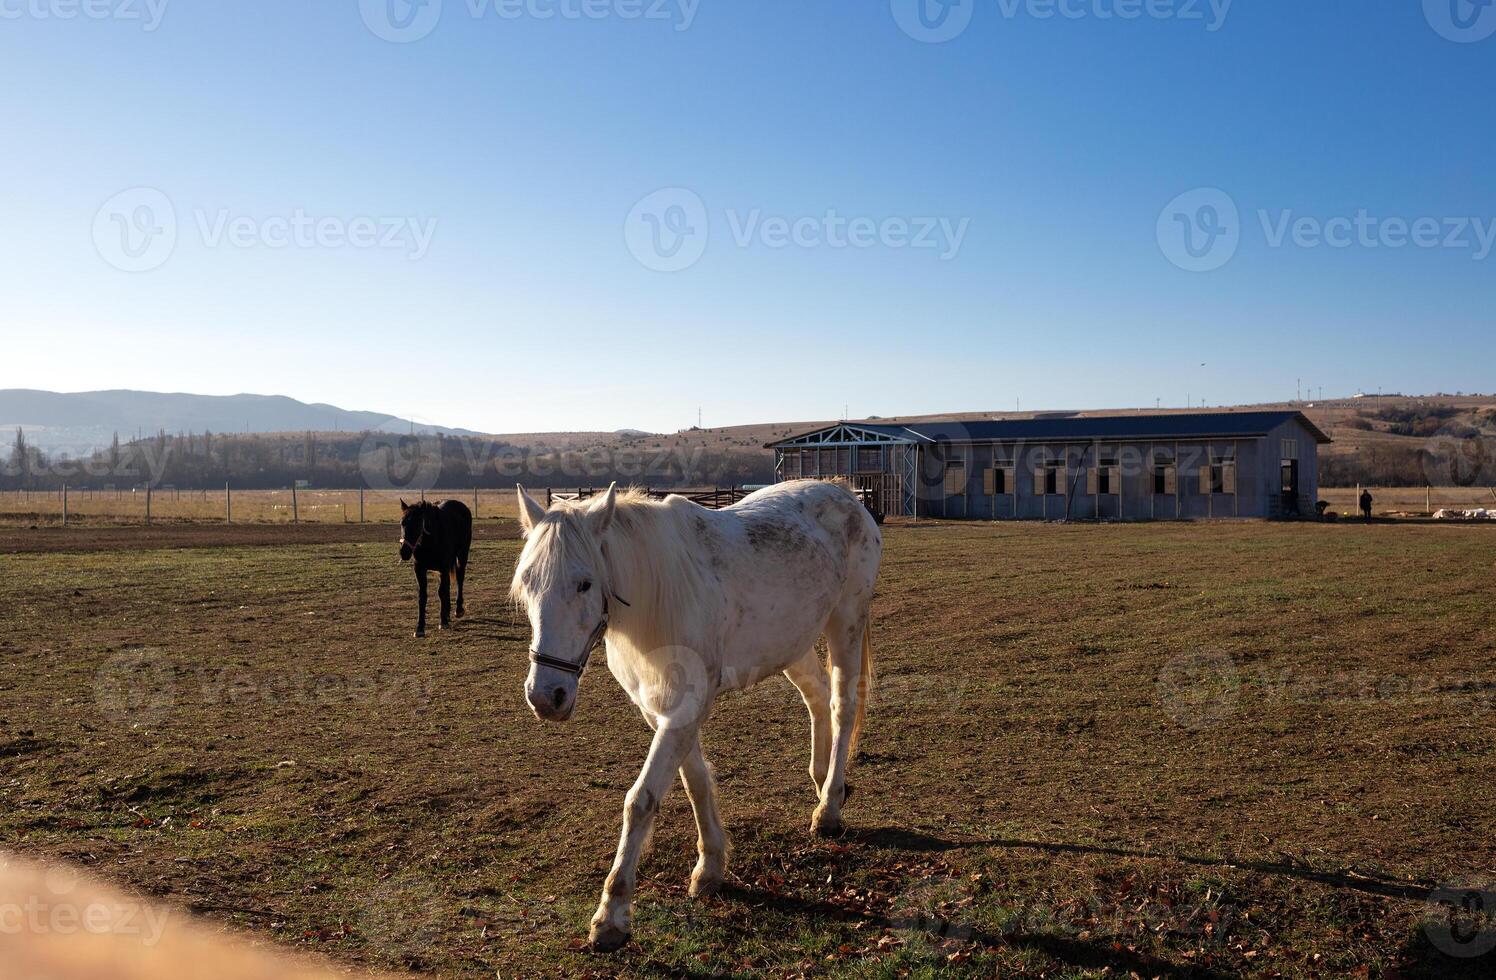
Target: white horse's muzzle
552	693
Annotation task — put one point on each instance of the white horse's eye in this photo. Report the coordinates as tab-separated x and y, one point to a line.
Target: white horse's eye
584	586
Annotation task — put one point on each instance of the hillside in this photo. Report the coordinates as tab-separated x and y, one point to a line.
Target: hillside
80	422
1391	441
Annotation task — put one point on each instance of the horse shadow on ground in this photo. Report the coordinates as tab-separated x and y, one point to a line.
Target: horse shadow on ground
1089	954
913	840
1418	956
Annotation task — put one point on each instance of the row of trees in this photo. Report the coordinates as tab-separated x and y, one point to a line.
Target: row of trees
377	460
384	461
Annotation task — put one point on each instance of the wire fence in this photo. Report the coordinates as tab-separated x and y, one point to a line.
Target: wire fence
147	505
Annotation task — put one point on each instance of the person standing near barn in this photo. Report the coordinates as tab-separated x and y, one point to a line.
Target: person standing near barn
1366	505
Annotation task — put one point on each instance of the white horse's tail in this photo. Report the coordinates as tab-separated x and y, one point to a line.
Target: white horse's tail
865	682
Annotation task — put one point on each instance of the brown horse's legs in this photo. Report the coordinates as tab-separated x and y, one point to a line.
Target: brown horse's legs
421	582
461	574
444	592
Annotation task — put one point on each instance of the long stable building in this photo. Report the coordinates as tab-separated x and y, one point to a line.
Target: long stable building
1112	467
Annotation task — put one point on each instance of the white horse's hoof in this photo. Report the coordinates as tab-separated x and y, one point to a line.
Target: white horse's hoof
705	884
824	826
605	937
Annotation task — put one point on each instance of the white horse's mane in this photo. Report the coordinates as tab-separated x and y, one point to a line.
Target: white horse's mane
648	561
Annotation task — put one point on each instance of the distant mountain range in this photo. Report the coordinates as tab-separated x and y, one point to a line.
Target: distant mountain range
79	422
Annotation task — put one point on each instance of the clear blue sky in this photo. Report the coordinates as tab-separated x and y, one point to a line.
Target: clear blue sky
1055	143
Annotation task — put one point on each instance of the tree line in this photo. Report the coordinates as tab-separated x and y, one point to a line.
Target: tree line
375	460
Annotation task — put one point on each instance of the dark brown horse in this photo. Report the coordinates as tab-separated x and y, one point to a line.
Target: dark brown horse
438	537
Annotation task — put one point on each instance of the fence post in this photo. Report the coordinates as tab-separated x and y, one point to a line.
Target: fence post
228	503
295	513
64	505
360	505
1428	499
475	503
148	504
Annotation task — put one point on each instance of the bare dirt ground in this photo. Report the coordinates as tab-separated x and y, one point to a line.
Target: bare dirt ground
1162	750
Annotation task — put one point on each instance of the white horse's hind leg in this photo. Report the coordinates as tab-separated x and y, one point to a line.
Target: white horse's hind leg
809	678
844	639
711	844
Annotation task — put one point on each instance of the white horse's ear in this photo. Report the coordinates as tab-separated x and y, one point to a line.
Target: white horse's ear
600	514
530	511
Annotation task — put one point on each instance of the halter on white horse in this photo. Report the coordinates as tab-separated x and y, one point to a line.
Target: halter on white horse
718	600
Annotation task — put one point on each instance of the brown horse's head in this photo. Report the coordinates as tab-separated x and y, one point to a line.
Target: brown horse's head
418	525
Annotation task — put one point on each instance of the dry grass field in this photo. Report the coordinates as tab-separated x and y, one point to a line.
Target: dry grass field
1154	750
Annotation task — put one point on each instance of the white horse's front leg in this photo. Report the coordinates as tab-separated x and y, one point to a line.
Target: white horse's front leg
711	866
614	919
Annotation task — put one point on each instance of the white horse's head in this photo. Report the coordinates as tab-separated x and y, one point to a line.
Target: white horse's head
562	580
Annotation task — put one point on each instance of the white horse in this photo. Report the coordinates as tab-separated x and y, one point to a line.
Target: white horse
693	603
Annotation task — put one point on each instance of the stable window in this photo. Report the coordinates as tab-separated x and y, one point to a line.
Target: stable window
869	459
998	479
1290	449
1105	477
955	478
1054	476
790	464
1220	475
1165	473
